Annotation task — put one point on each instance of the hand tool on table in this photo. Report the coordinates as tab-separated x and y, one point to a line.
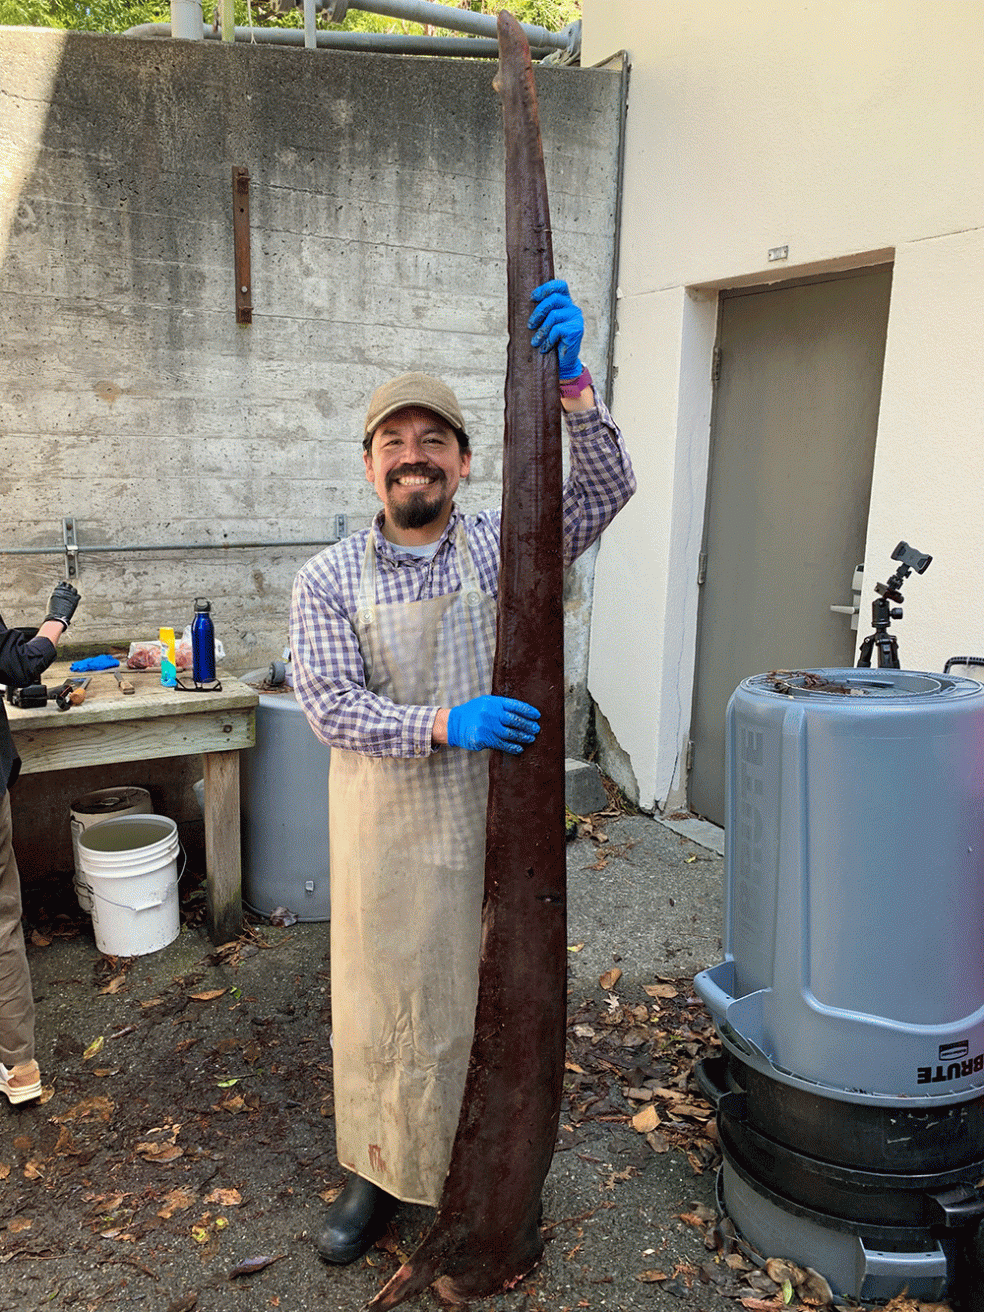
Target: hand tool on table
125	685
71	693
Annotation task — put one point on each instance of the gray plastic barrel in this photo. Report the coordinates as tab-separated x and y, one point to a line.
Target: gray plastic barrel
854	885
284	802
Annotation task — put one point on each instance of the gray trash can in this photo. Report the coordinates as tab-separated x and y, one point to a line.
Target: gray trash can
850	1002
284	803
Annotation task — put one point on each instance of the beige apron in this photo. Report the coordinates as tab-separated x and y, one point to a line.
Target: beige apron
407	876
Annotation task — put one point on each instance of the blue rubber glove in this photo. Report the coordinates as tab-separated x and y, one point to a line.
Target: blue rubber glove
558	322
492	722
95	663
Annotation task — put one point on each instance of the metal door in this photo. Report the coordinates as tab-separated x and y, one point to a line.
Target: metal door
799	371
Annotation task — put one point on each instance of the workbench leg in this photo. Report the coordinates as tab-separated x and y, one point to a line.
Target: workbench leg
223	864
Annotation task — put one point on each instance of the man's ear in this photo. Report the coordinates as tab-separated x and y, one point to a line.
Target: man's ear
465	464
367	461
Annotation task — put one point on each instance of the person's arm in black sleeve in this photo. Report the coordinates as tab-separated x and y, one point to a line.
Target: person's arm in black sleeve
24	660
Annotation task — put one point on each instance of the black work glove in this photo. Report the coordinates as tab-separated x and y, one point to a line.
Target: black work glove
62	603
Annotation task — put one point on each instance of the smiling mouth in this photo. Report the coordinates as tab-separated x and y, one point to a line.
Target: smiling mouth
414	478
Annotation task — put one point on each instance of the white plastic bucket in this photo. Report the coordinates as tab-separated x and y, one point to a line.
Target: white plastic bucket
101	805
130	863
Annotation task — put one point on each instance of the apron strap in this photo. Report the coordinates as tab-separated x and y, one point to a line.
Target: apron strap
369	578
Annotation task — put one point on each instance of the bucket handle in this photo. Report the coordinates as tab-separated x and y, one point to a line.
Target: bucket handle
127	906
141	906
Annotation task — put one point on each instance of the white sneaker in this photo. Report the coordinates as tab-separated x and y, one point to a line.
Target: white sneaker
22	1083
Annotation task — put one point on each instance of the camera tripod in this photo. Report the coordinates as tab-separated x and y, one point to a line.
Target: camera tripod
882	612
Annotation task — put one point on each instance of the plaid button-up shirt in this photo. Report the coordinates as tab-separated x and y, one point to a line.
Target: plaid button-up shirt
329	676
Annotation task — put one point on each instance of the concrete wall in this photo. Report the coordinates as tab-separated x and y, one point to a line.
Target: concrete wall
131	398
851	133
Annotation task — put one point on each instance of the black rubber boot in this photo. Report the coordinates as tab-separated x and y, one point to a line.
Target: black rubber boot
355	1220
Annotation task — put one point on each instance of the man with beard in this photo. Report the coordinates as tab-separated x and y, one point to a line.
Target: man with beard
393	639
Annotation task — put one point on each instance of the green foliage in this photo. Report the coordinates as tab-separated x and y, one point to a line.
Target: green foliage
119	15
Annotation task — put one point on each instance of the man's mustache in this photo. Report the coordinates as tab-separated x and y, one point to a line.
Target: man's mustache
414	471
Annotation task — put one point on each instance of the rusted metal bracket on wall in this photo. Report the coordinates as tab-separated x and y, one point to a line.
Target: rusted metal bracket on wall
240	230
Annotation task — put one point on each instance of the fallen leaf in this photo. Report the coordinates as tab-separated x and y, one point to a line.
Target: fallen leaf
176	1201
783	1272
645	1120
114	985
250	1265
693	1110
33	1170
575	947
39	940
159	1152
208	996
156	1002
95	1046
18	1224
657	1142
186	1303
760	1304
694	1218
669	1095
225	1197
232	1102
225	1084
103	1108
651	1277
635	1038
815	1289
610	978
4	1171
660	990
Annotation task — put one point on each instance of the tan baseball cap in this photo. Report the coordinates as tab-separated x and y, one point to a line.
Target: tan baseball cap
414	389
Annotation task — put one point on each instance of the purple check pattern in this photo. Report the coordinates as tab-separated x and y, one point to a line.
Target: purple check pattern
329	674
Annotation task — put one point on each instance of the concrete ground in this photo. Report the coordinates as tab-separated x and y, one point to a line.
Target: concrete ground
187	1128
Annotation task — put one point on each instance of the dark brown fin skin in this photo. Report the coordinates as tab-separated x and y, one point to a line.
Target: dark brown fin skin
486	1235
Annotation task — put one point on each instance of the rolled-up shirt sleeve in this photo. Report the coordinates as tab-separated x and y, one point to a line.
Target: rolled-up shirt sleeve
601	479
330	678
23	660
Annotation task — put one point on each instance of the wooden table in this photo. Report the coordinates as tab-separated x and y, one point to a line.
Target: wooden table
149	723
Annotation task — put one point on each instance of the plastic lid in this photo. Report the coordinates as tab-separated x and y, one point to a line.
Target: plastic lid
855	682
202	604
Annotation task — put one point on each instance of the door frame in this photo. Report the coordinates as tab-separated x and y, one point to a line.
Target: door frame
880	262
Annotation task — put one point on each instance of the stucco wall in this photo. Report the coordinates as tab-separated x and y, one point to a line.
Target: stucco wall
851	133
132	400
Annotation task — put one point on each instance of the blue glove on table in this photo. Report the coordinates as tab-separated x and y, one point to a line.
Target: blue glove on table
492	722
95	663
558	322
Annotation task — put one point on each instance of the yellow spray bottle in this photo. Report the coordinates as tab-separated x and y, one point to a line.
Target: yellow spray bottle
169	670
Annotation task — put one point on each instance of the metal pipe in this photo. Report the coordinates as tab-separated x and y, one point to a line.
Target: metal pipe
186	20
428	13
613	293
379	43
161	546
310	25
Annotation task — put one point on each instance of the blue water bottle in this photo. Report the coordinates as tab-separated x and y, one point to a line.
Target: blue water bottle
202	643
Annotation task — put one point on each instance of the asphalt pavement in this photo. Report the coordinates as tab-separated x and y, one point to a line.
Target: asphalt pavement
187	1127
